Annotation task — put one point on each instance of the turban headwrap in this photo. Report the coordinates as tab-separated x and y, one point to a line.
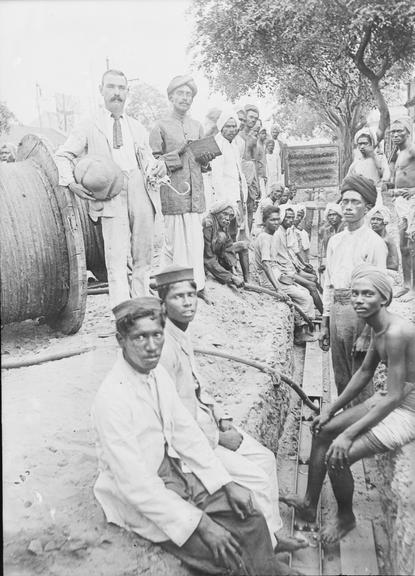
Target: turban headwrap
365	132
172	274
225	116
220	206
383	211
297	208
379	278
364	186
332	207
136	307
252	107
283	209
184	80
405	121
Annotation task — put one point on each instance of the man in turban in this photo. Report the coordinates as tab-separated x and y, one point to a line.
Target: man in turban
368	163
247	146
404	193
221	249
355	245
158	476
379	217
332	224
183	208
382	423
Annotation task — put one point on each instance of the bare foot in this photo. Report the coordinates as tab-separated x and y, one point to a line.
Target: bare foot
202	294
401	292
284	570
289	543
408	296
337	528
305	511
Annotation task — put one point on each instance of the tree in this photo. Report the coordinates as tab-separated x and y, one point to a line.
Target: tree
335	54
146	103
6	117
298	119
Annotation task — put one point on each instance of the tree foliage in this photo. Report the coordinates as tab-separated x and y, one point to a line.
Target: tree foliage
146	103
296	118
6	118
335	54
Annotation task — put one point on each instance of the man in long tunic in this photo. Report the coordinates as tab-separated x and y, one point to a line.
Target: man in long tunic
182	210
127	220
357	244
248	462
158	476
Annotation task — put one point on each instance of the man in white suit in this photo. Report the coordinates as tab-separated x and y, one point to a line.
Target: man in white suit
127	219
158	475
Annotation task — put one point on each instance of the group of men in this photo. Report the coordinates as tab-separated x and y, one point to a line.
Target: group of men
173	467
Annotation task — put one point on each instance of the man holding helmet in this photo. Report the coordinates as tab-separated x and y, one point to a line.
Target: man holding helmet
116	142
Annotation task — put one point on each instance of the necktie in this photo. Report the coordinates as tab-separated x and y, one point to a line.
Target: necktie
116	133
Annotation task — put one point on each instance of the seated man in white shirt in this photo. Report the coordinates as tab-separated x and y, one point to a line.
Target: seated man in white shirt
158	475
248	462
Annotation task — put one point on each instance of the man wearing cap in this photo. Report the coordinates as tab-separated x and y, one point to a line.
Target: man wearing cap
368	163
247	461
246	145
404	200
127	219
355	245
169	139
158	476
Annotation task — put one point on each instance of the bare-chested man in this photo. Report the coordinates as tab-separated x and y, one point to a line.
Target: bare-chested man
383	422
404	192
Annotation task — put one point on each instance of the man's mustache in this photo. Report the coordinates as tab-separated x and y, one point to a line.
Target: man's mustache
116	98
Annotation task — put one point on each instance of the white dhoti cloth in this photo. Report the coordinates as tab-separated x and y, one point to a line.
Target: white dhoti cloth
183	244
254	467
405	209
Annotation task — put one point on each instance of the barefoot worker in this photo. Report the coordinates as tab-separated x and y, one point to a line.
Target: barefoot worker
383	422
158	476
249	463
355	245
271	275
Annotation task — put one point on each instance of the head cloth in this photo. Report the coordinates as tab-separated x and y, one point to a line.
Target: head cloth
378	277
405	121
364	186
383	211
225	115
184	80
332	207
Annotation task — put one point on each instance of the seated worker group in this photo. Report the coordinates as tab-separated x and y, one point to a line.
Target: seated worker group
270	273
382	422
219	232
158	474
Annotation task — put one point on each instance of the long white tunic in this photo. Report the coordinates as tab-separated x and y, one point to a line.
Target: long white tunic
345	251
227	178
136	416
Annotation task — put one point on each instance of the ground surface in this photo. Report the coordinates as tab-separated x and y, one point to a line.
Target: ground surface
53	526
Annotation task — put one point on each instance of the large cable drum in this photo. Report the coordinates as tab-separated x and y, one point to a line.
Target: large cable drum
93	241
43	271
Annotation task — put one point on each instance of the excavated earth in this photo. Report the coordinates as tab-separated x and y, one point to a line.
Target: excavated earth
52	523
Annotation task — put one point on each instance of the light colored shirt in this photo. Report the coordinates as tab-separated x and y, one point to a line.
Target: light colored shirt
285	245
137	417
227	178
345	251
125	155
264	251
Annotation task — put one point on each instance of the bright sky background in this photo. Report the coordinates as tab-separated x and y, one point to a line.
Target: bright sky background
63	44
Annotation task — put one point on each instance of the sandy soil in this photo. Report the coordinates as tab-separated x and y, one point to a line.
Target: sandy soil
52	523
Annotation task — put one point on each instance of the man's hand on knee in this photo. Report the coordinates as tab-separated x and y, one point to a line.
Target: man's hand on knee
230	439
240	500
224	547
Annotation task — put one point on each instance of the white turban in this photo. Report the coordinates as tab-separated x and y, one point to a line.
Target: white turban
365	132
226	114
298	208
332	207
383	211
283	209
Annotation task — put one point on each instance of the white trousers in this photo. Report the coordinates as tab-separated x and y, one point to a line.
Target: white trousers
128	243
183	244
254	467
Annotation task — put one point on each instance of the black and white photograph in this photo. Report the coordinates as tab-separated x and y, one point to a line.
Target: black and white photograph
207	272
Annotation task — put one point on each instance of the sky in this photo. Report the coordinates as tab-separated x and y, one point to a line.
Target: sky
62	45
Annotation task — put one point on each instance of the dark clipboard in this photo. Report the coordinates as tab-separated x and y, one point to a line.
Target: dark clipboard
206	145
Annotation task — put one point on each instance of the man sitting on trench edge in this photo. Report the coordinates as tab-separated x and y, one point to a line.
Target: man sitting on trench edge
249	463
158	475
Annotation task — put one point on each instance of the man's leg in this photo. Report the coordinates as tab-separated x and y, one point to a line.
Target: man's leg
341	336
300	296
311	287
141	216
116	235
307	506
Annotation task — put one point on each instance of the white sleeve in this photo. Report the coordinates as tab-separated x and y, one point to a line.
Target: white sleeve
76	145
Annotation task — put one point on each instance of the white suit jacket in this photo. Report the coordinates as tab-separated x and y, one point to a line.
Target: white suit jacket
89	137
131	447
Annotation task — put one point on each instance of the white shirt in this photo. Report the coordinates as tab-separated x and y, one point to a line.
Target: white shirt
136	416
124	156
227	177
345	251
